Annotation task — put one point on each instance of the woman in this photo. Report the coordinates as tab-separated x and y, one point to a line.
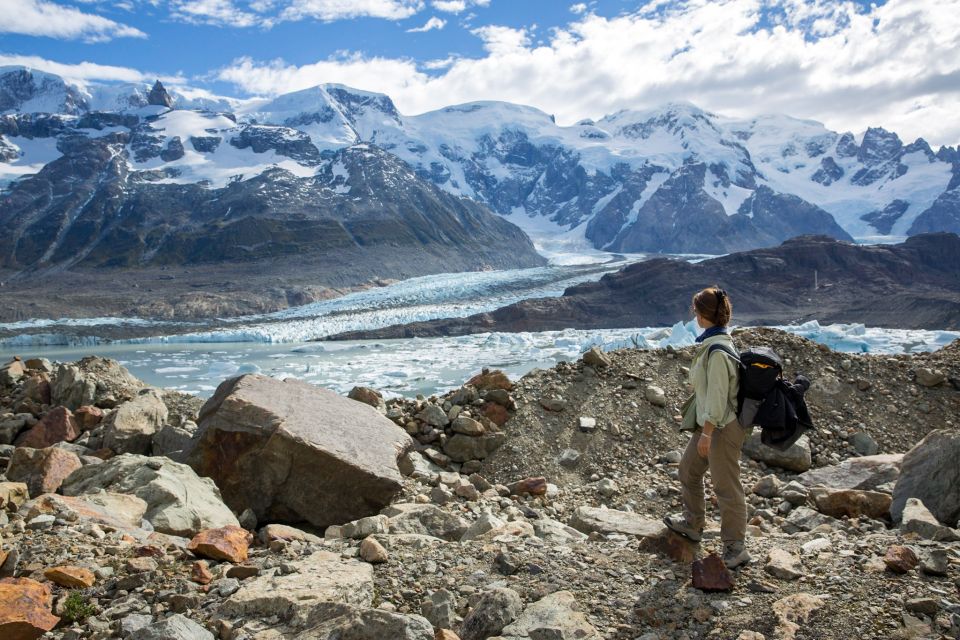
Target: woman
711	413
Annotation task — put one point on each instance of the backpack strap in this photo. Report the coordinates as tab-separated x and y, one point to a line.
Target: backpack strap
722	347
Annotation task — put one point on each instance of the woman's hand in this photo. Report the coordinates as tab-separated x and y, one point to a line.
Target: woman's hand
706	437
703	445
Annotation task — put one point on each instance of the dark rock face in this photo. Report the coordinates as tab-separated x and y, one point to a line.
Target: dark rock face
284	140
884	219
917	281
158	96
88	209
828	173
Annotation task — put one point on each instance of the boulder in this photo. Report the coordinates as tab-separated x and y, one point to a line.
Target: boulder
494	610
58	425
92	381
462	448
88	417
931	474
176	627
25	609
930	377
596	358
42	470
116	510
784	565
806	519
797	458
12	372
368	396
590	519
178	501
710	574
425	519
556	616
487	380
440	608
851	503
228	543
656	396
287	533
363	527
323	588
131	427
866	473
173	441
372	551
295	452
70	577
916	518
900	559
371	624
13	493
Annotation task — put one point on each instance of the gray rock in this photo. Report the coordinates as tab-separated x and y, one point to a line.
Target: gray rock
551	403
930	377
784	565
178	501
555	531
174	442
486	522
569	458
363	527
292	451
134	621
935	562
326	586
425	519
767	487
555	617
867	473
434	416
587	424
930	472
916	518
440	608
797	458
462	448
656	396
91	381
596	358
176	627
494	610
864	444
130	429
806	519
467	426
590	519
371	624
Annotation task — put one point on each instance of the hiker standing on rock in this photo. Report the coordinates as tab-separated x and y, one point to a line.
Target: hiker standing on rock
711	414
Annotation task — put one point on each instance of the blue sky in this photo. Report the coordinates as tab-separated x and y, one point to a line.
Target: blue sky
847	64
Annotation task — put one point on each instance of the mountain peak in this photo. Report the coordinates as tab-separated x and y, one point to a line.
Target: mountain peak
158	96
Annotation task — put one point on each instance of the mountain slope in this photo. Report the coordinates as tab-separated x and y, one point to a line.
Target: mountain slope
671	179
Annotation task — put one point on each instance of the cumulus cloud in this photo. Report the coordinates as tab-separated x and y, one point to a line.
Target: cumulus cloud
83	72
895	65
331	10
217	12
42	18
458	6
431	24
580	7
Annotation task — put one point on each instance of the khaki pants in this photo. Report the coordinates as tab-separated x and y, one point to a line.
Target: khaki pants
724	466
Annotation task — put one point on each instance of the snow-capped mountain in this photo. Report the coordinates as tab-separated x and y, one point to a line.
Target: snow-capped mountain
671	179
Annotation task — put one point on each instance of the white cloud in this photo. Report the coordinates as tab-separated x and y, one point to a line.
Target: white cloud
896	65
431	24
578	8
458	6
217	12
331	10
502	40
79	73
42	18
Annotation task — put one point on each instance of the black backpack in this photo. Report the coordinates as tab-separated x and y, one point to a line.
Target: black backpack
772	403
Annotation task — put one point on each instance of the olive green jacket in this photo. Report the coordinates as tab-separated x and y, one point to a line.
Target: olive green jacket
715	386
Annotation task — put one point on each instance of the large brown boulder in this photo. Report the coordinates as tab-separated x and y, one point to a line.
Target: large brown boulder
43	470
59	425
25	609
294	452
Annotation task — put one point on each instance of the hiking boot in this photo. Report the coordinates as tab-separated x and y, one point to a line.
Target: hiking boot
678	524
735	554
